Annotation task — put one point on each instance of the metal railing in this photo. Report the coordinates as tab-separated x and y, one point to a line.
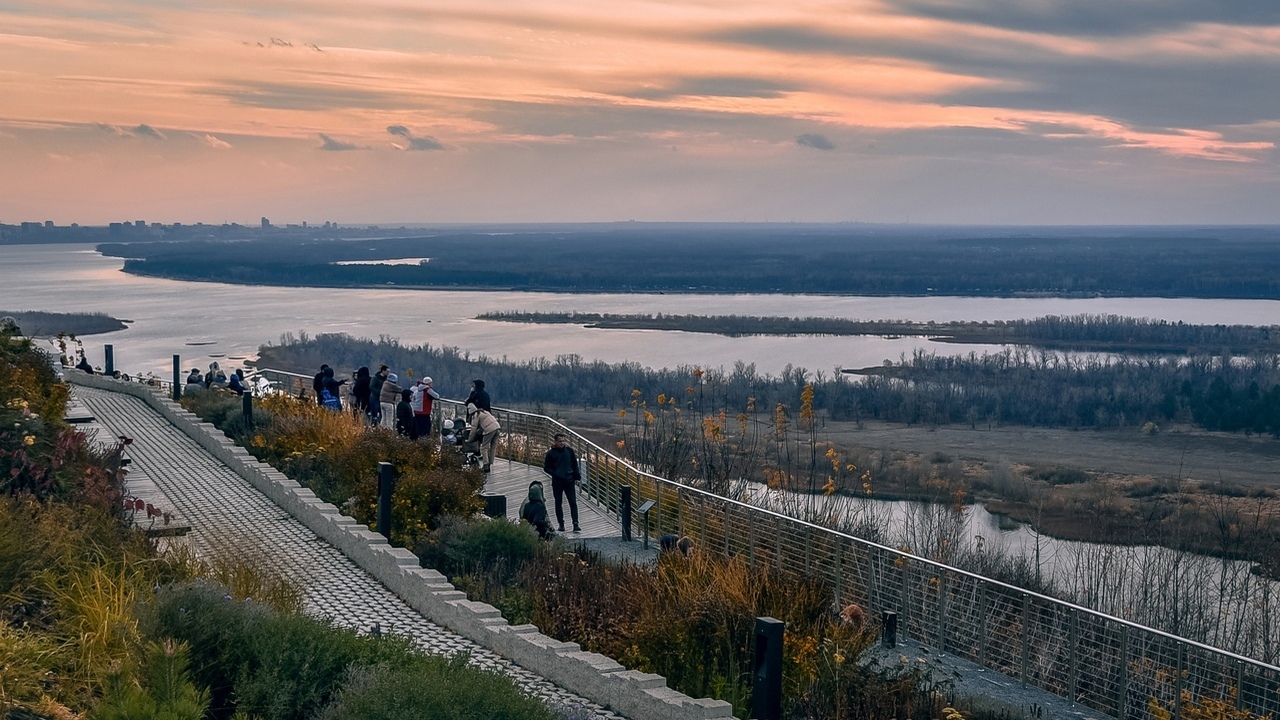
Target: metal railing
1106	663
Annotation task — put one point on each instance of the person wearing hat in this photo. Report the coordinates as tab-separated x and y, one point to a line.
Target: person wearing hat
388	397
484	432
424	396
479	396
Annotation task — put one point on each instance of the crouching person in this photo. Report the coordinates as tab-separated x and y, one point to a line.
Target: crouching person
534	510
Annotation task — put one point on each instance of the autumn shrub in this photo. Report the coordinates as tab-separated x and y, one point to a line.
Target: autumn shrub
437	688
467	545
337	456
692	620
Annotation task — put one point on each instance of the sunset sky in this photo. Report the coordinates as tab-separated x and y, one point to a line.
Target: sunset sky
921	111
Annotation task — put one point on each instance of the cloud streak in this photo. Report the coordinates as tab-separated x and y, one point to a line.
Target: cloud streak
413	142
332	144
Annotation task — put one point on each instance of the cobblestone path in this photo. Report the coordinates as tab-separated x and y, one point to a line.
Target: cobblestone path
223	509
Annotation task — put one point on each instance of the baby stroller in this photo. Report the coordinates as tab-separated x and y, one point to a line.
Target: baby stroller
454	434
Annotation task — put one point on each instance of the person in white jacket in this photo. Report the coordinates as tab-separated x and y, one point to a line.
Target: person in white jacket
484	432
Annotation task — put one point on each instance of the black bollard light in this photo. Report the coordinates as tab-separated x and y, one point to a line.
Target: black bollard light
889	629
495	505
246	408
111	359
626	512
766	680
177	378
386	485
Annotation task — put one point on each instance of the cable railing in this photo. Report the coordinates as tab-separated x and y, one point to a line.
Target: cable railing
1103	662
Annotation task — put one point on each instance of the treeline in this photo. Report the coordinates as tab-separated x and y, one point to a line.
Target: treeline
853	260
1015	387
1087	332
34	323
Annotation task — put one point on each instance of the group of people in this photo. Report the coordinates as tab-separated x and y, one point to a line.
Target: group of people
381	400
216	378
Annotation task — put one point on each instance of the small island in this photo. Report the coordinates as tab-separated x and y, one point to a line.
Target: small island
1083	333
34	323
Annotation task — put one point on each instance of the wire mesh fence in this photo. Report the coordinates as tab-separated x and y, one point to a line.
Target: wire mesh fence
1108	664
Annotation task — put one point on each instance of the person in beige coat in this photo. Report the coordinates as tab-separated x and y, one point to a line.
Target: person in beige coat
387	398
484	431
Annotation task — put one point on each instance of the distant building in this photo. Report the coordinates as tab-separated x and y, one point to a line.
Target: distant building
265	223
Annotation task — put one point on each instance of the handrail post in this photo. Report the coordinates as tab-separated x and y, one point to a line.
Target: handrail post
626	512
386	486
839	563
1073	657
777	552
177	378
982	624
1122	706
1026	635
751	541
942	611
1177	689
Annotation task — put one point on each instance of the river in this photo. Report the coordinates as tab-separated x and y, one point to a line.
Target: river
232	321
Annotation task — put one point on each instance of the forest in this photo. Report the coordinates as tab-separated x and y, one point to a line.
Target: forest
821	259
1013	387
1099	333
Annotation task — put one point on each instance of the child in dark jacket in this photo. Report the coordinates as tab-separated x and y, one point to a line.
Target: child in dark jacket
404	416
534	510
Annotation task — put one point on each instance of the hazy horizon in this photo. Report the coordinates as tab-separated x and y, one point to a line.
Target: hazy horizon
983	112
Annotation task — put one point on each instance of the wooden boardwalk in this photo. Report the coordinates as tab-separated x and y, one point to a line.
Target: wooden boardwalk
512	479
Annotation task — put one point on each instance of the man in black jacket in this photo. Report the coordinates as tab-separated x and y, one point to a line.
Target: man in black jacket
318	383
479	396
562	465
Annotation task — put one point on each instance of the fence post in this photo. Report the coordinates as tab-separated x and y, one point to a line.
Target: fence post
982	623
839	563
751	540
1177	688
1026	638
109	367
177	378
766	686
1073	655
626	512
386	486
1122	706
1239	685
658	486
777	551
246	408
942	611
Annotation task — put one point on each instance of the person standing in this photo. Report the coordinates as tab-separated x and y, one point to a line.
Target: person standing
424	397
562	465
318	383
375	395
360	391
388	398
484	432
404	415
331	389
479	396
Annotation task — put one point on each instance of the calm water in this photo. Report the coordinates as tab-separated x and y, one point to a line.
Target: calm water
237	319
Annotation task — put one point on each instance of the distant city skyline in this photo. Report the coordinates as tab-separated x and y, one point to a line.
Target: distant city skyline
889	111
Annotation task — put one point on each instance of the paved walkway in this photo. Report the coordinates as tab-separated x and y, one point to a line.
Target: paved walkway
224	509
